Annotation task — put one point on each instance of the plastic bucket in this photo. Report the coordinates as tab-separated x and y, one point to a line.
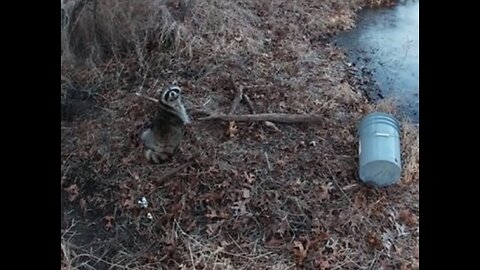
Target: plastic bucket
380	162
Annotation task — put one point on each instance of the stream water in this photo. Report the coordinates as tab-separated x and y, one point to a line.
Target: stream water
386	42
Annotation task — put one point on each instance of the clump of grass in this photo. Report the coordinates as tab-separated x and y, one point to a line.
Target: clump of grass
387	105
409	140
95	30
410	152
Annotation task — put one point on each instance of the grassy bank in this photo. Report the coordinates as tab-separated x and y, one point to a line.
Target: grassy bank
257	197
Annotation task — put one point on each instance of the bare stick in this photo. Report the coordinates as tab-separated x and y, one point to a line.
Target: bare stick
146	97
191	111
249	103
273	117
173	171
237	98
269	166
197	111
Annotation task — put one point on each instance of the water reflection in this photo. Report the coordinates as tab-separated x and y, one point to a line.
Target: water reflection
386	41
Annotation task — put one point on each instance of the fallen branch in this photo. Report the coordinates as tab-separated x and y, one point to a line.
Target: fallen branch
252	110
191	111
273	117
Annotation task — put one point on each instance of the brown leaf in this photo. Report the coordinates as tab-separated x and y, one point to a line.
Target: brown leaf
126	161
374	241
135	176
129	203
72	192
407	217
232	129
360	201
300	251
109	222
324	193
250	177
320	262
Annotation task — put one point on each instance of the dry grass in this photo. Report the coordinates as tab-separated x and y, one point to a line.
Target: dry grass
255	198
387	105
411	152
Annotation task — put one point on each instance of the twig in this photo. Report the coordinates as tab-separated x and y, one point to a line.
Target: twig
219	249
191	111
335	182
273	117
191	256
237	98
197	111
173	171
146	97
268	161
249	103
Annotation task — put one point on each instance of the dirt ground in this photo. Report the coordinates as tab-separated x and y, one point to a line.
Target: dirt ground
254	197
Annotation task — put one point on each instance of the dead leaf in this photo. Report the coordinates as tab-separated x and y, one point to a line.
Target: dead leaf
407	217
274	242
232	129
135	176
126	161
129	203
324	193
281	162
109	222
215	214
246	193
72	192
321	263
374	241
240	208
250	177
360	201
300	251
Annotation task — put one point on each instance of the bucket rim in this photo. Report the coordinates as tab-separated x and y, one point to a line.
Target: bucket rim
372	114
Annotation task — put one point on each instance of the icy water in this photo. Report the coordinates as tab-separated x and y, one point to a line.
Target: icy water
386	42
